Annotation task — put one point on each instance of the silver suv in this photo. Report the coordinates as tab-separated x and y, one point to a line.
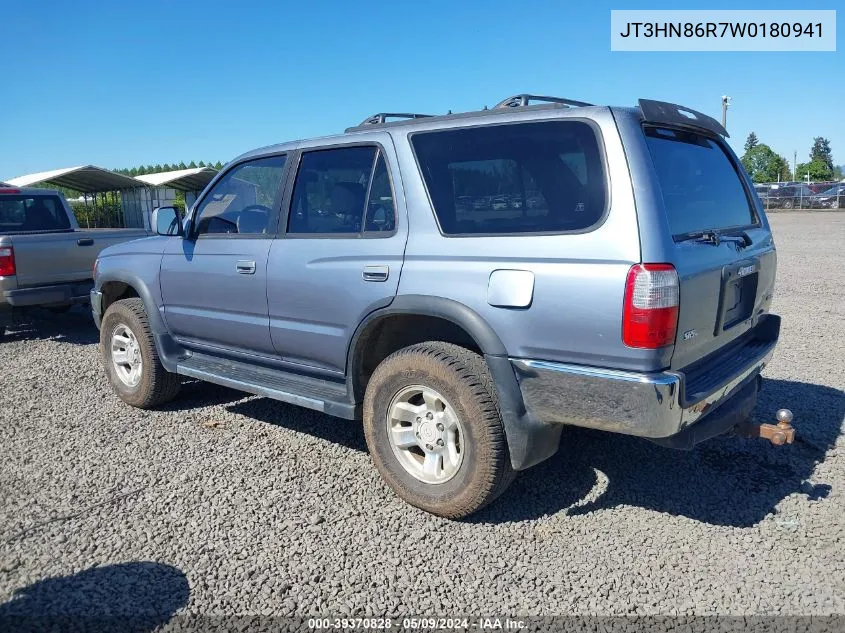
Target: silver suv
466	285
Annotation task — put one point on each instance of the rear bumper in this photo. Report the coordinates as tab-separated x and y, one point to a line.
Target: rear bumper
48	295
658	405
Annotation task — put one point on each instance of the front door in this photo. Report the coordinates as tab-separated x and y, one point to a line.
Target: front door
214	281
341	254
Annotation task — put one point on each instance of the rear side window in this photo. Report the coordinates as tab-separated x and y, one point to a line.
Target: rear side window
32	213
517	178
701	187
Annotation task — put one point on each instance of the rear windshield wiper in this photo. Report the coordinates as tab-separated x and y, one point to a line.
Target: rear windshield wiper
714	237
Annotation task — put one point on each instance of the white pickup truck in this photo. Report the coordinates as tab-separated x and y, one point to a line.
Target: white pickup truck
45	258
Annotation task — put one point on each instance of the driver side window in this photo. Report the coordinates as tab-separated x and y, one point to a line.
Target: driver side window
244	200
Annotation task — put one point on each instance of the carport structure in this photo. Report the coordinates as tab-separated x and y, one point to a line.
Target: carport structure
191	182
106	189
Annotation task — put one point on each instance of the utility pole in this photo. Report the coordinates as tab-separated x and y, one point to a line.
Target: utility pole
794	163
726	101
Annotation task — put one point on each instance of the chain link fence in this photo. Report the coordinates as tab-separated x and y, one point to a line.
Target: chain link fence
802	195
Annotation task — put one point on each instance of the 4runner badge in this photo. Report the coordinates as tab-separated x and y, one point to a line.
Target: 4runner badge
745	270
689	334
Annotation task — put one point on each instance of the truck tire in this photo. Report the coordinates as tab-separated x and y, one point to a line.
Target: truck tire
130	357
434	431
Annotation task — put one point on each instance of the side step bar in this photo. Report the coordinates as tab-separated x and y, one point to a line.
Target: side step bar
313	393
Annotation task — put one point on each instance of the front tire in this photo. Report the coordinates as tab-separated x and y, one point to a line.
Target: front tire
434	431
130	357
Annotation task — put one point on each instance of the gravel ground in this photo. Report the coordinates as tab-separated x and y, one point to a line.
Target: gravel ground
230	504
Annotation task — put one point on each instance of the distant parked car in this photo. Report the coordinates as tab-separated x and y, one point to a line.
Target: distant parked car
789	196
833	198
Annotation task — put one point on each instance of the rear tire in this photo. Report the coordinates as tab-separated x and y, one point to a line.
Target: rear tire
447	395
787	204
130	357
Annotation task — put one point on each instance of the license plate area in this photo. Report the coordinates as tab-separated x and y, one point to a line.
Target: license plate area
738	294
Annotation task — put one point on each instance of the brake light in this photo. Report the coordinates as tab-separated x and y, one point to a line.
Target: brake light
10	190
650	314
7	261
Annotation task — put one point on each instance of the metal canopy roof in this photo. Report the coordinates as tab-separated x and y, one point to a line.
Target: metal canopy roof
86	179
194	179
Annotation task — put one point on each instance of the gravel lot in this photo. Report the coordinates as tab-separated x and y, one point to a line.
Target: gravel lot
231	504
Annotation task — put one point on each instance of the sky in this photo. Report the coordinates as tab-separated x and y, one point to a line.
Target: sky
120	84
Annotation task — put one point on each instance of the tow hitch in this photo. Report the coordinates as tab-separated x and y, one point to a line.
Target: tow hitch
778	434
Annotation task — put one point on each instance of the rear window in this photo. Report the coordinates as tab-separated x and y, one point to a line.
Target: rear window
701	187
516	178
22	213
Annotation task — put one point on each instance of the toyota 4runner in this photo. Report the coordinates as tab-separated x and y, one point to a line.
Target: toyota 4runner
467	285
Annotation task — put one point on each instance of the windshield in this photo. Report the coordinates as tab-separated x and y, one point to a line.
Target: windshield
24	213
701	188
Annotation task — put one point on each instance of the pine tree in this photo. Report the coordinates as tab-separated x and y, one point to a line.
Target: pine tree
218	165
192	165
182	165
821	152
751	142
201	163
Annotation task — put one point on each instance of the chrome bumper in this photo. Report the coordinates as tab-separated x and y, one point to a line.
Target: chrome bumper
642	404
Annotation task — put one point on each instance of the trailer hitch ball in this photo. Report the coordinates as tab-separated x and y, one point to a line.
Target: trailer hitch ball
778	434
783	432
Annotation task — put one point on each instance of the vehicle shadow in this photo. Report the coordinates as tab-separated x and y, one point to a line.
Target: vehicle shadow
726	481
195	394
129	597
74	326
347	433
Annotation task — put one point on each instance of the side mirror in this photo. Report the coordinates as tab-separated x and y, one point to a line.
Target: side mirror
166	221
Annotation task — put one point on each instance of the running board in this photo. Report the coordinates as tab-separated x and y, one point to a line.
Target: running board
304	391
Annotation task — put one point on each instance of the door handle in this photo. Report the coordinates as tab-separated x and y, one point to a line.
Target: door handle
245	267
85	241
376	273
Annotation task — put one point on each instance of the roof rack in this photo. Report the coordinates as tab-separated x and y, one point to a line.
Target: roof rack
382	117
518	101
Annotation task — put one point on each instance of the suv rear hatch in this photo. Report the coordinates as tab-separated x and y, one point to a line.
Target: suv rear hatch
723	250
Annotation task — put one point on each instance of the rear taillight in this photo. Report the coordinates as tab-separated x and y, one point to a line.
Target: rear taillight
650	315
7	261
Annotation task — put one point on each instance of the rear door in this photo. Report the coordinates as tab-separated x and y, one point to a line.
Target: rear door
723	249
342	252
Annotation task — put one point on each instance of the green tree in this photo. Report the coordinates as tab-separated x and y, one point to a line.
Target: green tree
192	165
218	165
817	168
182	165
201	163
821	152
764	165
133	171
751	142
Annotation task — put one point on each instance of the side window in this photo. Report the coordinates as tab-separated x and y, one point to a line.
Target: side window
242	202
32	213
381	208
342	191
514	178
